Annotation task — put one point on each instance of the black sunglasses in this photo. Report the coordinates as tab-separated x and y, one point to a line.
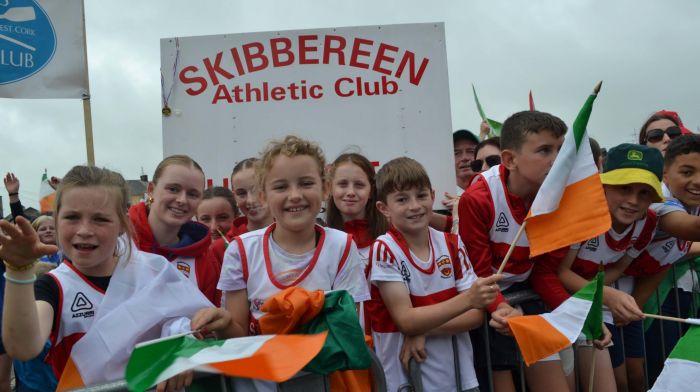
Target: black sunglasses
491	160
656	135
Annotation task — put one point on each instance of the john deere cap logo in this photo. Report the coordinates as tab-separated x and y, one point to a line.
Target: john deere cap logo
27	39
634	155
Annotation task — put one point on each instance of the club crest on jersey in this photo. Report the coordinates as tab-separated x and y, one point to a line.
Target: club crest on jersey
81	306
405	273
592	244
502	223
444	265
184	267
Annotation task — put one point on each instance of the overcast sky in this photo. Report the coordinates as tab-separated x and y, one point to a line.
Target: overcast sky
646	53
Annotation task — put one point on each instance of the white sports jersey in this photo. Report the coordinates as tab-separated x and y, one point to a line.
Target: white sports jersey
664	249
609	247
334	265
447	272
502	233
78	303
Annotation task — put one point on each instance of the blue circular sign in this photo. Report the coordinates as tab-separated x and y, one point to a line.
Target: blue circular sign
27	39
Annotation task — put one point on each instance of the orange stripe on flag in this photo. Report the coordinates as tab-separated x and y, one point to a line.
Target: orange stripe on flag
46	203
582	214
277	360
536	338
70	378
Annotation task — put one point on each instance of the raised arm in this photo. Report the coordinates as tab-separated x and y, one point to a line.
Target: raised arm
26	322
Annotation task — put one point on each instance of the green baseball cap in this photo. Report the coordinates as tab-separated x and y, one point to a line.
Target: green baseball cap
634	164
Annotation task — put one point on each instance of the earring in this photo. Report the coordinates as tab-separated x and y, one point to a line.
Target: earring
149	201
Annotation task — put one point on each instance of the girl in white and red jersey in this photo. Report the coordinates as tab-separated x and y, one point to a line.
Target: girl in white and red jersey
351	205
163	224
255	212
102	278
632	181
294	250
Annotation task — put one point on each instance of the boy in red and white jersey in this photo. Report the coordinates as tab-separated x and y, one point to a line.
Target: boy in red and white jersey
490	213
423	287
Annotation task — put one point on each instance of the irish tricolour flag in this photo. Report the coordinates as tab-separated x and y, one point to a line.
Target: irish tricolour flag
570	206
682	368
542	335
265	357
46	194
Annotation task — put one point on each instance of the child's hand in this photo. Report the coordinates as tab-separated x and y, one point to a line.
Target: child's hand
603	342
20	245
413	347
483	291
211	319
11	183
450	200
623	306
499	317
176	383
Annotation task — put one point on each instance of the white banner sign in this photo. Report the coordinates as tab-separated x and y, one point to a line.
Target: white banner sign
42	52
380	90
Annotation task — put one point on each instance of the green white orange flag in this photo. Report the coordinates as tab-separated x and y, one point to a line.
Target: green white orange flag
266	357
570	206
542	335
493	124
46	194
682	368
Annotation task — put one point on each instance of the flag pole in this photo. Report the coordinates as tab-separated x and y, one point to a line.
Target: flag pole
676	319
512	247
87	111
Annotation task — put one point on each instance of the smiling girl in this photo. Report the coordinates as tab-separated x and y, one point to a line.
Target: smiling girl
163	224
352	199
101	273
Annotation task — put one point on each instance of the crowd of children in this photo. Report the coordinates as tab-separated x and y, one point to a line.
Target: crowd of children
422	292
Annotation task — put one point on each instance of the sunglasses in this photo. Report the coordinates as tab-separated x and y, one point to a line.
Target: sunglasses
656	135
491	161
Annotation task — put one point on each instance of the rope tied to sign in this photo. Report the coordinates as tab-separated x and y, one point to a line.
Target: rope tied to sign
166	97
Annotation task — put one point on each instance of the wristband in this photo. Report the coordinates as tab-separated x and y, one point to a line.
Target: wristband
19	281
13	194
25	267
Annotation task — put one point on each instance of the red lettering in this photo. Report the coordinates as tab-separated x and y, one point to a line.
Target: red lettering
383	48
221	93
197	79
283	49
250	56
357	52
338	91
389	87
213	69
237	61
304	49
410	59
328	48
278	93
316	91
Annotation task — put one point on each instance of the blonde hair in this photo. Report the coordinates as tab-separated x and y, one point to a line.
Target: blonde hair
112	182
291	146
39	220
182	160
